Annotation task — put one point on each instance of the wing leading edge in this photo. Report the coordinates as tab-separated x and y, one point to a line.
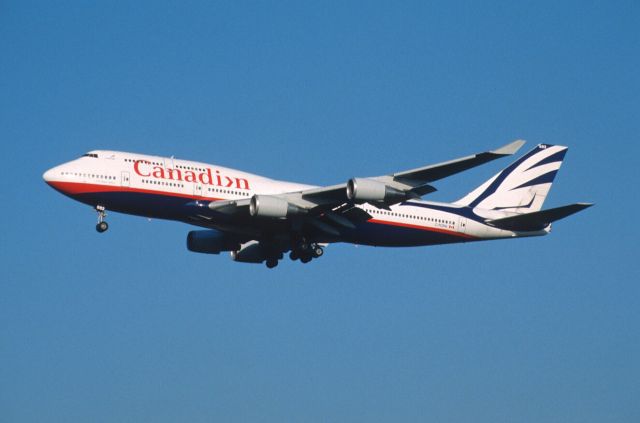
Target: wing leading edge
414	182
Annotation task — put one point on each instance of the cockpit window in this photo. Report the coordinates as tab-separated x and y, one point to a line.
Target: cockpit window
90	155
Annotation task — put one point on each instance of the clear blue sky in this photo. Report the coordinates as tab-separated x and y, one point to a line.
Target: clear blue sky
130	326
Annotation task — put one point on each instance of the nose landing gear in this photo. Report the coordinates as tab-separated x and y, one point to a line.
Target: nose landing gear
102	225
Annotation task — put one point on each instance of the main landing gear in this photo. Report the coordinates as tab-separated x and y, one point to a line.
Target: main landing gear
302	250
273	259
102	225
272	262
305	252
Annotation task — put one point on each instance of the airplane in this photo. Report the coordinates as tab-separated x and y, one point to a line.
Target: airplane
258	219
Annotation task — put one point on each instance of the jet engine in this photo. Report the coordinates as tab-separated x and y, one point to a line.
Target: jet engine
211	242
274	207
251	252
360	190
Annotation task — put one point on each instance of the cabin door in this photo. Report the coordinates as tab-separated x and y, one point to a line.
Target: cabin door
197	189
462	225
124	179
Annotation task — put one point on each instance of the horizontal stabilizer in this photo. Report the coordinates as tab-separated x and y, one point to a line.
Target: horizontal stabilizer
537	220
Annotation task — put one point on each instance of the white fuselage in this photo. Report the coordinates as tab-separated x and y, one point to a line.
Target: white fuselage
162	187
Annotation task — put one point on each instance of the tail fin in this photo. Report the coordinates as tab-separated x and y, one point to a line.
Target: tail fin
521	187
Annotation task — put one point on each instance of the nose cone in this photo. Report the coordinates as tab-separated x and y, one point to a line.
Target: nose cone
55	179
48	175
53	175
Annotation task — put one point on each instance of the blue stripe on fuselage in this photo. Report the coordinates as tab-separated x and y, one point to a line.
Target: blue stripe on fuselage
138	203
389	235
459	211
367	233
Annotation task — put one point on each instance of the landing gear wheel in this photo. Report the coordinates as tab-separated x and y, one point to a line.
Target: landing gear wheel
271	263
102	226
318	251
305	259
294	255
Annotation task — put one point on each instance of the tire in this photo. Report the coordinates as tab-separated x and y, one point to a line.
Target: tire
102	227
271	263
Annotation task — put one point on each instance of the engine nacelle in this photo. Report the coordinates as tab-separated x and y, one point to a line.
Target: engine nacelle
211	242
360	190
251	252
274	207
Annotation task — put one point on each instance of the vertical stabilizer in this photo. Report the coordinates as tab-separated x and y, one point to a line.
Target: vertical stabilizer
521	187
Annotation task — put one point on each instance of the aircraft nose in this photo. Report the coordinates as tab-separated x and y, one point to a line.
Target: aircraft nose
49	174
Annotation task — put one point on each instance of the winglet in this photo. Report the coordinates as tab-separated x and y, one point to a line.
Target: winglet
510	148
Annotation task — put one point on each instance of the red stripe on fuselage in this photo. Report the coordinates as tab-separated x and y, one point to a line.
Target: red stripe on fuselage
422	228
78	188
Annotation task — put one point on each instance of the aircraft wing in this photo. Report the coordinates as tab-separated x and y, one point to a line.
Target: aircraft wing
442	170
332	208
410	184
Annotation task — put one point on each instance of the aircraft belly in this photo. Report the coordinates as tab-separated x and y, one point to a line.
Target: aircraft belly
160	206
141	204
389	235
